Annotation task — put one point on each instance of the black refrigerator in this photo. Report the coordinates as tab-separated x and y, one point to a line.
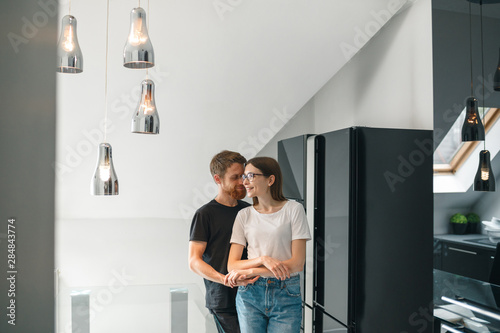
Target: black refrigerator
369	200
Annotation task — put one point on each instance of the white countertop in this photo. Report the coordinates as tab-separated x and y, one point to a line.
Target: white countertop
464	239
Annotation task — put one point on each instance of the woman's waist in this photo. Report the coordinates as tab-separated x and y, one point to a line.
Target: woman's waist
293	279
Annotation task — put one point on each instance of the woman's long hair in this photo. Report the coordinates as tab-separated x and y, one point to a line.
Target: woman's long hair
269	166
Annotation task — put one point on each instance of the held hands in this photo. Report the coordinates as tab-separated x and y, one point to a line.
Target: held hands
276	267
239	278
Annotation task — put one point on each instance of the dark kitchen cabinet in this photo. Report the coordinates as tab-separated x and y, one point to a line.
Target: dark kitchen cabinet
463	259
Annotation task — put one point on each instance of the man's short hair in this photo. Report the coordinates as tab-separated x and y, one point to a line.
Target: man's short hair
223	160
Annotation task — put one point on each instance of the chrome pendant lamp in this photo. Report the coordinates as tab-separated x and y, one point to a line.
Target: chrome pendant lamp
105	181
146	119
472	129
138	51
485	179
69	54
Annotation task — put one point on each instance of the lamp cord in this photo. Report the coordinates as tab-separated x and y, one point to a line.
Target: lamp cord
69	8
106	76
147	22
482	64
470	49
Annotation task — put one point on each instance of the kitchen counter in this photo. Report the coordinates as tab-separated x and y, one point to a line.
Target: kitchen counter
466	305
477	240
470	255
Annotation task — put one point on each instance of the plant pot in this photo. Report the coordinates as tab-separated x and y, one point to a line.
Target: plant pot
472	228
459	228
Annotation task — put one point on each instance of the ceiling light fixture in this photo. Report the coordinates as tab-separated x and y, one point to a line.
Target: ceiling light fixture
138	51
105	181
146	119
472	129
485	179
69	54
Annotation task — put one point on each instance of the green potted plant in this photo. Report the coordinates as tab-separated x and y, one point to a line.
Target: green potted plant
458	224
472	223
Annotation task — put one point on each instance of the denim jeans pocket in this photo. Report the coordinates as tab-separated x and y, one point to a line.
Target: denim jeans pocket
293	289
242	289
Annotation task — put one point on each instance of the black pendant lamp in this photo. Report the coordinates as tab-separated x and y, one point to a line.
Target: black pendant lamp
485	179
496	78
472	129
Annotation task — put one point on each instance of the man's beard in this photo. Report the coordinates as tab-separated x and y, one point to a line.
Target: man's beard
237	194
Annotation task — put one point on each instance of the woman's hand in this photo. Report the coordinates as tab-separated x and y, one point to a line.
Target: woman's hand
276	267
239	278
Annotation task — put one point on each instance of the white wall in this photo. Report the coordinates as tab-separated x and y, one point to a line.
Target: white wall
388	83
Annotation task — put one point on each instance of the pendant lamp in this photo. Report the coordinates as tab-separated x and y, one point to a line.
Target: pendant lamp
69	54
138	51
496	78
145	119
472	129
105	181
485	179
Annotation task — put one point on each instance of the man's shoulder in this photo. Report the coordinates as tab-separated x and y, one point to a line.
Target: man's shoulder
208	206
243	204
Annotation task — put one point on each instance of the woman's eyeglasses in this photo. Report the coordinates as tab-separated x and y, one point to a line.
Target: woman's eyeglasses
250	176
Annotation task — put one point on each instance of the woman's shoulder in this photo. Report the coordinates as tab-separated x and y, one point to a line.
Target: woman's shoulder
245	211
293	205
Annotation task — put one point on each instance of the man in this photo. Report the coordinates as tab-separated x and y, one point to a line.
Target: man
210	233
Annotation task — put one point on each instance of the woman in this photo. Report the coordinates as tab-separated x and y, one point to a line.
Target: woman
275	232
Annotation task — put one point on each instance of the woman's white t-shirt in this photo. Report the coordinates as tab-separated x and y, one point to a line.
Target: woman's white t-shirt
271	234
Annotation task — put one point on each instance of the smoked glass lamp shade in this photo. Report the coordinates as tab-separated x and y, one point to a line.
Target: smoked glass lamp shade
145	119
496	78
105	181
472	129
138	51
485	179
69	54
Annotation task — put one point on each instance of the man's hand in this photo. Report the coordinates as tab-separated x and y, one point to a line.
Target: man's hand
239	278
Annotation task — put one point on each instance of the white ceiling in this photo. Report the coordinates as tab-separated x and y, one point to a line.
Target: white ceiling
224	80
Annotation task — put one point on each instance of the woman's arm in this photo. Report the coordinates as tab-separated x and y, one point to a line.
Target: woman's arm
263	266
292	265
297	261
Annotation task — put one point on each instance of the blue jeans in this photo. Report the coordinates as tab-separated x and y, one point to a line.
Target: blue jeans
270	305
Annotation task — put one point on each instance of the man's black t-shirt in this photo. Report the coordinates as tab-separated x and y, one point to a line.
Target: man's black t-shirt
213	223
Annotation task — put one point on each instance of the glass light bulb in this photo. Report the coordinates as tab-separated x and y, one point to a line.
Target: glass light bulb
68	43
485	174
104	172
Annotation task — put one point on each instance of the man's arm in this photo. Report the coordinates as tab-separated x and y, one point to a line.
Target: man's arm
239	267
197	265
